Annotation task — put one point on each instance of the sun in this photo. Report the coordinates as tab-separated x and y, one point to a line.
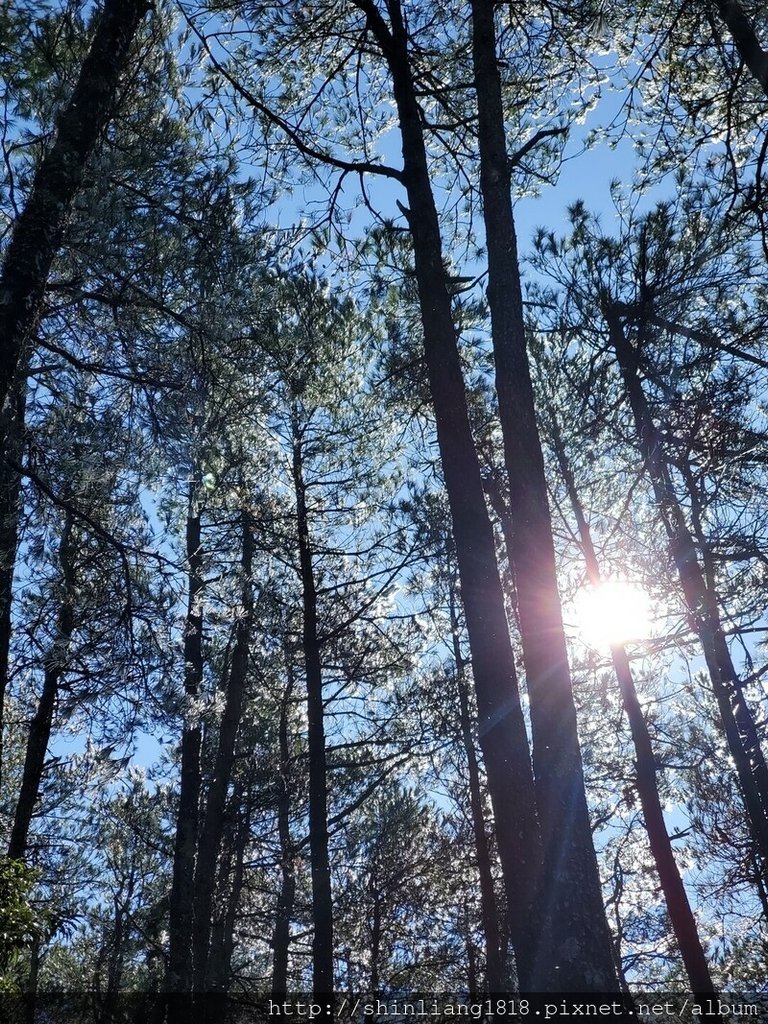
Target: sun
613	612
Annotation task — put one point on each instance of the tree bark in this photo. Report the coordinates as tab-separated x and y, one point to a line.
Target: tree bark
576	950
322	903
501	727
179	976
213	819
679	909
38	231
738	724
54	667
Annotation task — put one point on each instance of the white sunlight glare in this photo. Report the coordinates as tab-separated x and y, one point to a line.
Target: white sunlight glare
613	612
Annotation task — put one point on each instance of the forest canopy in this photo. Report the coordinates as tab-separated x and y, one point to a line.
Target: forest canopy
383	521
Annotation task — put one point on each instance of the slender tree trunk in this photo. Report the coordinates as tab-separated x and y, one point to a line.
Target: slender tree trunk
742	716
54	667
576	951
322	903
12	418
469	946
679	909
223	931
213	820
500	509
375	956
33	982
738	724
502	733
281	936
38	231
35	240
495	976
116	954
179	975
759	881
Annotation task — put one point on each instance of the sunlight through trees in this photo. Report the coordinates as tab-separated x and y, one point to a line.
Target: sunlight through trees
382	583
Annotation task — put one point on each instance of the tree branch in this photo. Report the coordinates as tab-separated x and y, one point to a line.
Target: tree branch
358	166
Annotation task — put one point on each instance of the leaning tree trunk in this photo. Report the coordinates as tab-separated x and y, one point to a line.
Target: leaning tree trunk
322	903
576	951
179	975
745	40
502	733
676	899
54	666
738	723
38	231
213	819
36	237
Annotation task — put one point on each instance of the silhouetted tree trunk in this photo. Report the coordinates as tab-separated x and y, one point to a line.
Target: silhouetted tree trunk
471	955
575	947
12	429
738	724
322	904
745	40
501	728
38	231
179	974
54	666
375	955
495	976
231	878
213	818
114	954
33	981
281	936
675	896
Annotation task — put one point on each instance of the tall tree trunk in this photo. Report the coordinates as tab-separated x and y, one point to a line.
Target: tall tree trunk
281	936
213	819
576	951
322	904
375	954
738	724
501	727
469	947
495	976
675	896
223	930
54	666
12	418
179	976
38	231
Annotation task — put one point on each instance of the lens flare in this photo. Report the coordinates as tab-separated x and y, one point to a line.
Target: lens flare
613	612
